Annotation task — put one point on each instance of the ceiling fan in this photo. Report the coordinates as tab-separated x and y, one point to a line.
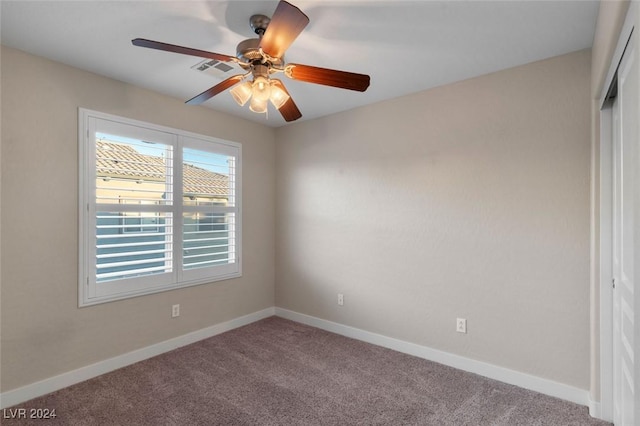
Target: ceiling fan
261	58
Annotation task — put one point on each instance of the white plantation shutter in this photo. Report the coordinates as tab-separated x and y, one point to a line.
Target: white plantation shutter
209	209
159	208
133	179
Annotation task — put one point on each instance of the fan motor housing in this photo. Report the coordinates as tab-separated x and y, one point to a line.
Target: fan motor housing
249	51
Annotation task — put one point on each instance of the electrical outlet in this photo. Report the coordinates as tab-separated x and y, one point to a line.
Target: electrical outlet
175	311
461	325
340	299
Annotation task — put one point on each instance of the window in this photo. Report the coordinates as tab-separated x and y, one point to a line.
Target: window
159	208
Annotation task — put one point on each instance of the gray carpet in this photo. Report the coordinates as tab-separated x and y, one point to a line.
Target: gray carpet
278	372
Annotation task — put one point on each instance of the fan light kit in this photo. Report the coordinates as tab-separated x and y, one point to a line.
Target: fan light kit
261	58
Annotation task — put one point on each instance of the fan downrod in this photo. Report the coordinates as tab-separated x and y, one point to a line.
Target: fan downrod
259	24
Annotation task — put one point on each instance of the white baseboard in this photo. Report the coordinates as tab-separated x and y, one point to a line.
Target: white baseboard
523	380
595	410
43	387
544	386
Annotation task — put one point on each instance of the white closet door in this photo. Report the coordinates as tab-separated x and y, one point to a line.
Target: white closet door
625	167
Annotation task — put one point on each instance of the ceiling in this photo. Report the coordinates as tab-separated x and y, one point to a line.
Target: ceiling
405	47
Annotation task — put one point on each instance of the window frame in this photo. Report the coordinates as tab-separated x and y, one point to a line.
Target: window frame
91	292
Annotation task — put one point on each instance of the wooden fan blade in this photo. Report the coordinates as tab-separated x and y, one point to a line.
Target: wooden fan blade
210	93
142	42
289	110
327	77
286	24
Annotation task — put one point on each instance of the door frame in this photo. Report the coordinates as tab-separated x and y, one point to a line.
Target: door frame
605	210
606	264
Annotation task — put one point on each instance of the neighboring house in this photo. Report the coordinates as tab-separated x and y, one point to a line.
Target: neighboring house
125	171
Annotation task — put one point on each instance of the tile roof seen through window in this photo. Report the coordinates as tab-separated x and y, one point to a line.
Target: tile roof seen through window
123	161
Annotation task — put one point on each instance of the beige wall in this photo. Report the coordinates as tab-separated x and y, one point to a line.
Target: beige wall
611	15
468	200
44	333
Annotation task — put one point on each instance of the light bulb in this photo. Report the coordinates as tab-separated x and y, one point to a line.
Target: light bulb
278	96
261	88
242	92
258	105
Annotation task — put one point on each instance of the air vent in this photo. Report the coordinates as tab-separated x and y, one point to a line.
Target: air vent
214	67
